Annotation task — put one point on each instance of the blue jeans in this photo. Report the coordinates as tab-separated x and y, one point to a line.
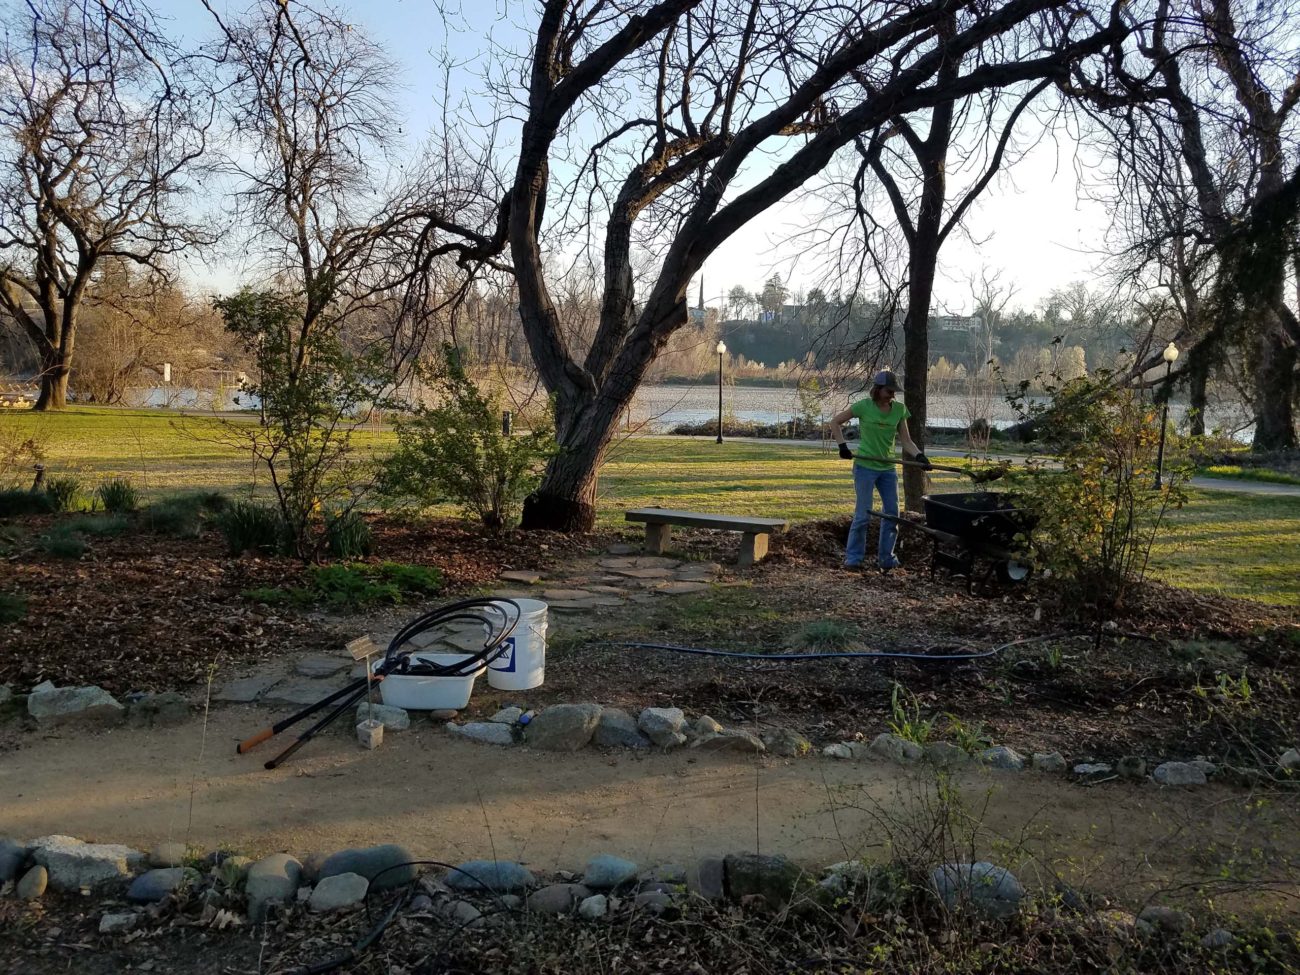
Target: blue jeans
865	481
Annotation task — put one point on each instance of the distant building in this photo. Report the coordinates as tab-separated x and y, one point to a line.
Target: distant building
958	323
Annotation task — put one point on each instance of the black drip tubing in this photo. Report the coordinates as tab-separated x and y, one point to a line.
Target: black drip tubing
780	656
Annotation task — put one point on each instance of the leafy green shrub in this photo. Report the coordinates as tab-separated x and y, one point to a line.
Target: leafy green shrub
353	586
16	502
62	542
312	389
347	536
1098	512
102	526
13	607
826	634
423	579
905	719
118	495
456	451
248	526
65	492
184	515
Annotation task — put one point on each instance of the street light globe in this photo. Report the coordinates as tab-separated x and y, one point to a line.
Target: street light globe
1170	353
722	347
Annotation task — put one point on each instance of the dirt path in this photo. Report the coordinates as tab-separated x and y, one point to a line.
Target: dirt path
452	800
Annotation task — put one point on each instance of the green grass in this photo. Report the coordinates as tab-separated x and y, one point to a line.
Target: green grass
1234	544
1238	473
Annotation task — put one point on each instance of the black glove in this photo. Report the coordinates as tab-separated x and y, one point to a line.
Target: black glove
924	461
845	452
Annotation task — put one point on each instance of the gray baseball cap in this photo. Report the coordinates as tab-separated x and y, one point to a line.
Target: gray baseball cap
887	379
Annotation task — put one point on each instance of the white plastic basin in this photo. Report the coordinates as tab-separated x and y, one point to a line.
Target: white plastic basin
424	692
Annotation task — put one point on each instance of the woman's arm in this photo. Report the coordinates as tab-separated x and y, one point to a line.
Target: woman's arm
909	445
843	416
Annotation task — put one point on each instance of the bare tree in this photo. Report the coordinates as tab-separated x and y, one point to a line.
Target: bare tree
667	126
101	121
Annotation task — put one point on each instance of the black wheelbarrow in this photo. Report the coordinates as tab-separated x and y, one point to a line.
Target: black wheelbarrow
979	535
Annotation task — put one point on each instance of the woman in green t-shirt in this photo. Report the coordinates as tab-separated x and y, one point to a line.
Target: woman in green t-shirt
879	418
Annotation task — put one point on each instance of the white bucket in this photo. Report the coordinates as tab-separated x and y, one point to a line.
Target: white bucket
425	692
523	664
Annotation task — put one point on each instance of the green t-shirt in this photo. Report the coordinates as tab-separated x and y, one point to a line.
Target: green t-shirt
876	431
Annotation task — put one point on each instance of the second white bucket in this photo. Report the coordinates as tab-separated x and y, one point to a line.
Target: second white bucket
523	665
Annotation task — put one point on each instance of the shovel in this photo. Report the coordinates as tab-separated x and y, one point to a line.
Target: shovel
979	477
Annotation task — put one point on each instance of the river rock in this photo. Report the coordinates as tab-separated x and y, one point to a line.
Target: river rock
74	705
557	898
483	732
1002	757
1166	920
605	872
594	907
1131	767
12	857
989	890
705	726
1289	760
498	876
563	727
387	865
1178	774
1091	770
707	878
617	729
900	751
654	901
944	754
270	880
730	740
663	726
33	884
1218	938
842	750
772	877
786	742
338	892
6	694
154	885
1049	761
73	864
509	715
392	718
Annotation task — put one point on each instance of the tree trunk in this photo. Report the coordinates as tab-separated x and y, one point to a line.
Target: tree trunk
1274	390
1197	379
916	363
565	501
54	382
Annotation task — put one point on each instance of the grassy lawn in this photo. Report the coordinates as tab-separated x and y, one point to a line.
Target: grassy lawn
1237	545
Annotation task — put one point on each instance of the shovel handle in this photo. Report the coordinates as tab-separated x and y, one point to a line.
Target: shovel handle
248	744
913	463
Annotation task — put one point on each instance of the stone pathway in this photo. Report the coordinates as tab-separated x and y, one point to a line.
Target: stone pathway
592	588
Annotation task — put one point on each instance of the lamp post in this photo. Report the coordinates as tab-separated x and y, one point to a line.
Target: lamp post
1169	355
722	349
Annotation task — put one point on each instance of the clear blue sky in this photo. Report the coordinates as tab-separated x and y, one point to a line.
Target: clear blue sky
1032	224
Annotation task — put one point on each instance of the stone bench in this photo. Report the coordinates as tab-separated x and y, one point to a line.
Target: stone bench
753	546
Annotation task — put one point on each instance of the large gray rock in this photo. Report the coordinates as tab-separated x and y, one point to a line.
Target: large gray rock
393	718
1049	761
705	726
1166	920
1218	938
617	729
388	865
944	754
1002	757
663	726
772	877
510	715
786	742
594	907
272	879
605	872
987	889
557	898
74	705
6	694
119	923
73	864
498	876
843	750
33	884
1289	761
12	857
154	885
707	878
1178	774
900	751
563	727
338	892
483	732
730	740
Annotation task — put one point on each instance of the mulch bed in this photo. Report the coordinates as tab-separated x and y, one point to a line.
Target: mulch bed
142	612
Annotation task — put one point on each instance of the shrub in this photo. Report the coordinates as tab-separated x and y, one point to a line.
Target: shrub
311	389
62	542
828	634
246	526
14	503
1099	512
455	451
102	526
184	515
426	580
118	495
65	492
353	586
347	535
13	607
